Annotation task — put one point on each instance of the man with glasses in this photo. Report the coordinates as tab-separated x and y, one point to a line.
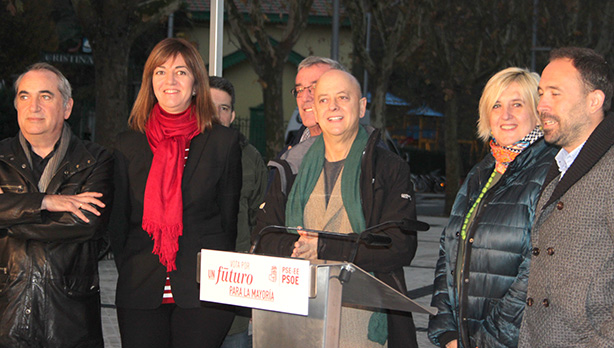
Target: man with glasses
309	71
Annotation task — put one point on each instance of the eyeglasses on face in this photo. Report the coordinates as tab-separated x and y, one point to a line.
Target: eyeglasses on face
297	91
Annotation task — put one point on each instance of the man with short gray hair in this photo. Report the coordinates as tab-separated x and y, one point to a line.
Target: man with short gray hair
55	192
308	72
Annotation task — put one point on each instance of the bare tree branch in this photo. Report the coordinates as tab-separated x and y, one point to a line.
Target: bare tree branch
268	59
394	24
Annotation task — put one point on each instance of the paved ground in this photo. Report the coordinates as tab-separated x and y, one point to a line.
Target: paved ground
108	279
419	275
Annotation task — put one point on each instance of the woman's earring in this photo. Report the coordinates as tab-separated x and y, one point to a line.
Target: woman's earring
193	93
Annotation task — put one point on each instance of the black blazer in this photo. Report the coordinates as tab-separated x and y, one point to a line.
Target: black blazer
211	186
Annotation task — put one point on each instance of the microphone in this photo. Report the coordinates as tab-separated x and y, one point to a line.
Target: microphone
367	236
404	224
269	228
284	229
407	224
372	239
376	239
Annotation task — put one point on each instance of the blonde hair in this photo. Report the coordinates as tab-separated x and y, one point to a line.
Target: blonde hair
203	105
528	82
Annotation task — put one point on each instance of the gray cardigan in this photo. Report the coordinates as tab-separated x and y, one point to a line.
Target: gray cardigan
570	299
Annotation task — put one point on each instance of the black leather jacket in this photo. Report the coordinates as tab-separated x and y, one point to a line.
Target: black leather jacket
49	291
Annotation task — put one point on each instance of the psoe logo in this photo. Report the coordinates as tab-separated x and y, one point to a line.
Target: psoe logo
273	274
211	274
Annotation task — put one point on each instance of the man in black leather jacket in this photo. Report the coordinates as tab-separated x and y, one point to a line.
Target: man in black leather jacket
54	201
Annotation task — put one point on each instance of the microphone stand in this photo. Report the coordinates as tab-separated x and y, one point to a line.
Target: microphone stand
273	228
367	236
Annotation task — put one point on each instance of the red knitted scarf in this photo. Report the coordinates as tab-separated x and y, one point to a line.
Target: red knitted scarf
168	135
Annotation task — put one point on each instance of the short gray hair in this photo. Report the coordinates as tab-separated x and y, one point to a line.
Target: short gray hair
314	60
63	84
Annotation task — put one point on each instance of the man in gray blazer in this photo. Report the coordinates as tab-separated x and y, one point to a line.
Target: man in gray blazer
570	300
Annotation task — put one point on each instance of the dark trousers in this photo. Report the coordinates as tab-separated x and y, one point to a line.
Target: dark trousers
401	330
170	326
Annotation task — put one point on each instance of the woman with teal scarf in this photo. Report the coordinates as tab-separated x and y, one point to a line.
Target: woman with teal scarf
346	184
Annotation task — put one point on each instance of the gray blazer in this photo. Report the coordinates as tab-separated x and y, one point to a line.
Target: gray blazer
570	300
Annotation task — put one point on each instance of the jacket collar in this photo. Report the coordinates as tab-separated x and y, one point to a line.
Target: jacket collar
525	159
77	159
374	141
597	144
12	153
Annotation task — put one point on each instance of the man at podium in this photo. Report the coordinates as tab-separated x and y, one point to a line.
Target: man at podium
346	183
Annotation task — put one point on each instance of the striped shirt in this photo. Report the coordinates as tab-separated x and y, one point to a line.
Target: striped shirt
167	296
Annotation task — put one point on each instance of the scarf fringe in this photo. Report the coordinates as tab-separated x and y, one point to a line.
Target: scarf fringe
165	242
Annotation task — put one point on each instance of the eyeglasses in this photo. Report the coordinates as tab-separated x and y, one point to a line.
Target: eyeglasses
296	92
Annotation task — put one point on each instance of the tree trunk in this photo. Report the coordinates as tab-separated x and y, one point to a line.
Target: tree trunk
451	150
378	104
274	130
112	27
389	31
111	59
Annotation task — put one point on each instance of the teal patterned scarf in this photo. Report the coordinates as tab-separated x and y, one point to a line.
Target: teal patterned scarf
311	168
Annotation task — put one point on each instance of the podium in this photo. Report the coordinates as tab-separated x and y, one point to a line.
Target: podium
331	285
321	327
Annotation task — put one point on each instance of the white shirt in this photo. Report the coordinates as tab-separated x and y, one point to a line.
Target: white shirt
564	159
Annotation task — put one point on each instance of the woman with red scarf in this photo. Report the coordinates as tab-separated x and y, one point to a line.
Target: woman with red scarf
481	276
178	180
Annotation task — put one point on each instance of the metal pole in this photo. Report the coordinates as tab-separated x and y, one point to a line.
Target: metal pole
171	25
216	37
535	48
534	35
334	45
